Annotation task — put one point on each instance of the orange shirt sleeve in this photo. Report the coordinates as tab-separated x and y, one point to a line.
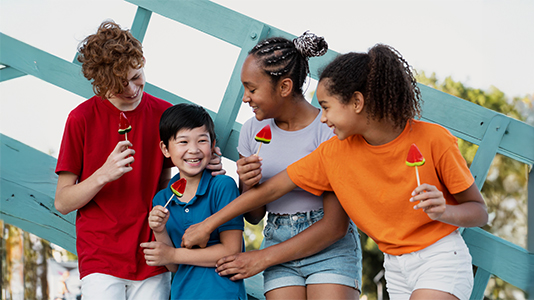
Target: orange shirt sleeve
309	173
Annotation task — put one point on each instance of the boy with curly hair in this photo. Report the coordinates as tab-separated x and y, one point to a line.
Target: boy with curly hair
110	179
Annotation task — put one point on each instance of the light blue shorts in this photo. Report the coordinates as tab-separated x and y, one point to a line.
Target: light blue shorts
340	263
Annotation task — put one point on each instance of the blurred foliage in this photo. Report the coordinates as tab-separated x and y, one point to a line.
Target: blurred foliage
253	235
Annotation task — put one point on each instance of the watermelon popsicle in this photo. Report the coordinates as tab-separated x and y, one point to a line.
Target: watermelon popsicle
264	137
124	125
177	189
415	159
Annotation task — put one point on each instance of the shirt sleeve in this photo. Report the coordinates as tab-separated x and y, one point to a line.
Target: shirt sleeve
70	157
309	172
244	147
453	171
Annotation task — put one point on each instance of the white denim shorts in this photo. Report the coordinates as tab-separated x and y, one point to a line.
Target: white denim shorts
444	266
98	286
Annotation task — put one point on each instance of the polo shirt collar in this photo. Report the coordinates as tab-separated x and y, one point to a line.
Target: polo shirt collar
201	189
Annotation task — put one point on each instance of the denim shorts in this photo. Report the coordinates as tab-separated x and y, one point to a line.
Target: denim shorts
444	266
340	263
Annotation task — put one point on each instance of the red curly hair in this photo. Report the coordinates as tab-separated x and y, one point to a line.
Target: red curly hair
107	56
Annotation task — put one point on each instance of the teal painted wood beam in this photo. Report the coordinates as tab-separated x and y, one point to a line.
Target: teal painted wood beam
505	260
45	66
27	190
231	102
488	148
140	23
530	222
205	16
480	283
220	22
8	73
530	209
470	122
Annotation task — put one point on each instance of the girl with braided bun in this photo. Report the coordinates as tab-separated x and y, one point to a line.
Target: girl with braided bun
371	100
311	249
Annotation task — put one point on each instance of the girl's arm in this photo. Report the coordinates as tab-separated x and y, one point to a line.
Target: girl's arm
256	197
72	195
323	233
249	171
471	210
158	253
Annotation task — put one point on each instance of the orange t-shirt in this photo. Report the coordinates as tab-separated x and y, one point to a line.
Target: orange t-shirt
374	184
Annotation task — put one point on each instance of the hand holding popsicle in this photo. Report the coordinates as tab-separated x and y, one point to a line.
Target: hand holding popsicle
157	218
414	159
263	136
177	189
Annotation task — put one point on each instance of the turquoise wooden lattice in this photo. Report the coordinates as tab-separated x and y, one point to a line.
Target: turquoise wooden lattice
28	180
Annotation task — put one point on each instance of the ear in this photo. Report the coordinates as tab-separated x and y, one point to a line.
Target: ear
358	102
164	149
285	87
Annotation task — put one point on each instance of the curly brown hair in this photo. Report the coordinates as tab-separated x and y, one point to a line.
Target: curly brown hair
383	77
107	56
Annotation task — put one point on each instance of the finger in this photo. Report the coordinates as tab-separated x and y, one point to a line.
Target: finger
220	172
148	244
238	276
123	145
253	159
217	150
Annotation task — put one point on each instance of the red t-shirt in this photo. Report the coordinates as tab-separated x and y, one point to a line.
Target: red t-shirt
111	226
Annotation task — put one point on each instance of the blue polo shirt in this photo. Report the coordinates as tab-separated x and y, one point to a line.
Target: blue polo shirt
213	193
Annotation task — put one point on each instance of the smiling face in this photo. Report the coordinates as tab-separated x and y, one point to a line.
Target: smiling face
130	98
342	118
190	150
259	91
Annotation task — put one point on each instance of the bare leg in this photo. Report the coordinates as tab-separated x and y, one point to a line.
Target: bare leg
423	294
331	291
288	292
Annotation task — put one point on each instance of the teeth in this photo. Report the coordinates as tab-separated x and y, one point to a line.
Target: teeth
192	160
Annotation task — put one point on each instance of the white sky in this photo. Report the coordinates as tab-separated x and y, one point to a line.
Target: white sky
480	43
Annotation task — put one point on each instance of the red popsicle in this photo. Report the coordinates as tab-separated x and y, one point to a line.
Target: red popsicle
264	137
177	189
415	159
124	125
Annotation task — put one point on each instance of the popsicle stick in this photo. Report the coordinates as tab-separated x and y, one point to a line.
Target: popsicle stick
126	136
168	201
417	174
257	152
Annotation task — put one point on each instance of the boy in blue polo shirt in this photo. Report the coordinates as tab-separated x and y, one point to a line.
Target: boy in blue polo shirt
187	137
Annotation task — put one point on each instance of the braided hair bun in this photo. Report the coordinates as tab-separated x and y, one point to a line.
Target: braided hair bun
310	45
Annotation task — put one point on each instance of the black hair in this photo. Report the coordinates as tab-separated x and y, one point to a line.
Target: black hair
383	77
281	58
184	116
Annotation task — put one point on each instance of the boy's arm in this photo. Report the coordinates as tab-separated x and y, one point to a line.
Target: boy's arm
71	195
270	190
323	233
157	221
159	253
471	210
